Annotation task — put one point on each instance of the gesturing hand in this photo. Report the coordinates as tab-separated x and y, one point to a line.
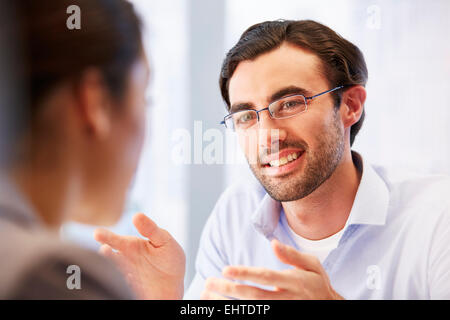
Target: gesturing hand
154	267
308	280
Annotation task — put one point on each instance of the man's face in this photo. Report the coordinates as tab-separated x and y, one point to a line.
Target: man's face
308	146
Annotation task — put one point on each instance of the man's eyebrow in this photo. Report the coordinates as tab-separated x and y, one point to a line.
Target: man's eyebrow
241	106
291	90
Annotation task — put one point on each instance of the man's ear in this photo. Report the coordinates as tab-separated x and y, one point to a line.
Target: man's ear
352	105
94	104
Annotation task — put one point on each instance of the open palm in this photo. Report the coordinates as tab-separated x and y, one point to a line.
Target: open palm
154	267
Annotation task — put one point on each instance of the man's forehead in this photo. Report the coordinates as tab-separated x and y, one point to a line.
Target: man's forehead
285	66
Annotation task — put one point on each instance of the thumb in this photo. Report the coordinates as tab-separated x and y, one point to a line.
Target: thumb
289	255
149	229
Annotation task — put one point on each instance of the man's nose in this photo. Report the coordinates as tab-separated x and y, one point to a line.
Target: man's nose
269	130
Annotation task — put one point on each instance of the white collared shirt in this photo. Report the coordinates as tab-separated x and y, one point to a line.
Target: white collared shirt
395	243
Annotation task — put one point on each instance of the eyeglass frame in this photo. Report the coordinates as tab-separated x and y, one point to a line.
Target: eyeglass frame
267	108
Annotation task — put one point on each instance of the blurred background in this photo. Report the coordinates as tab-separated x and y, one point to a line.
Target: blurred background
405	43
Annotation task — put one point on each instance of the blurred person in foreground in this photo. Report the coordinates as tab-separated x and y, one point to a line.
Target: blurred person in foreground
82	114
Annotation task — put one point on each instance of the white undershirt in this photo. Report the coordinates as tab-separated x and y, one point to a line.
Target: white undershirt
318	248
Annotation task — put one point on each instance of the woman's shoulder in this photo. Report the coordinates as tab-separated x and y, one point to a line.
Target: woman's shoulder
36	264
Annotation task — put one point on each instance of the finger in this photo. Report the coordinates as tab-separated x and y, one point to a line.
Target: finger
106	251
149	229
237	290
211	295
258	275
289	255
115	241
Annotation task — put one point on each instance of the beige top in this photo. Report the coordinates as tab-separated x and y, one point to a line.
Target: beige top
34	263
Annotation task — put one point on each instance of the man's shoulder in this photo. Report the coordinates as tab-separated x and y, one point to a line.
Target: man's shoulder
239	201
406	181
416	190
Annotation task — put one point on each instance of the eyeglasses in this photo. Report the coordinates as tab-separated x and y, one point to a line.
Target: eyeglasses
283	108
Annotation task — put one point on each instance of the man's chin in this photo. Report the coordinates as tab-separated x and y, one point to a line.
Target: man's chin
291	187
280	196
280	192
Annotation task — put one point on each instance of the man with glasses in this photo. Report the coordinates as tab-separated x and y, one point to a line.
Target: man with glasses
322	223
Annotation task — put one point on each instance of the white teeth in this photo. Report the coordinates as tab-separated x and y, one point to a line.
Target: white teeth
284	160
274	163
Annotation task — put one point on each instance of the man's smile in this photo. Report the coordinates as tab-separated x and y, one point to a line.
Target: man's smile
283	162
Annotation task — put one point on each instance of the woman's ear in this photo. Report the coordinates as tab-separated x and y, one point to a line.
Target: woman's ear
352	105
94	104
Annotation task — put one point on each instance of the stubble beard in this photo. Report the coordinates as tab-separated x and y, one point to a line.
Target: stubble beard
319	166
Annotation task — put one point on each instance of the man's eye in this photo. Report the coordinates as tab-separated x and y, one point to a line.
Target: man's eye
292	104
245	117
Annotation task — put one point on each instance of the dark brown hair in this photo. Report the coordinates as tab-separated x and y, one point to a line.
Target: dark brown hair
44	53
342	62
109	39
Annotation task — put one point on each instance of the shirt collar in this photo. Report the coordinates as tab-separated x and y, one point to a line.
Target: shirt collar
372	198
369	207
266	217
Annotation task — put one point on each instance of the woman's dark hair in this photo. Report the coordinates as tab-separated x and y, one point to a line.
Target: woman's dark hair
109	40
342	62
11	89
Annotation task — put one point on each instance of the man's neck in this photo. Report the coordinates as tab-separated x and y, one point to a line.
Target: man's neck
325	211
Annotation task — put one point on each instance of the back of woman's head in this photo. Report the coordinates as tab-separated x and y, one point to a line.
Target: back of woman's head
109	39
83	106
